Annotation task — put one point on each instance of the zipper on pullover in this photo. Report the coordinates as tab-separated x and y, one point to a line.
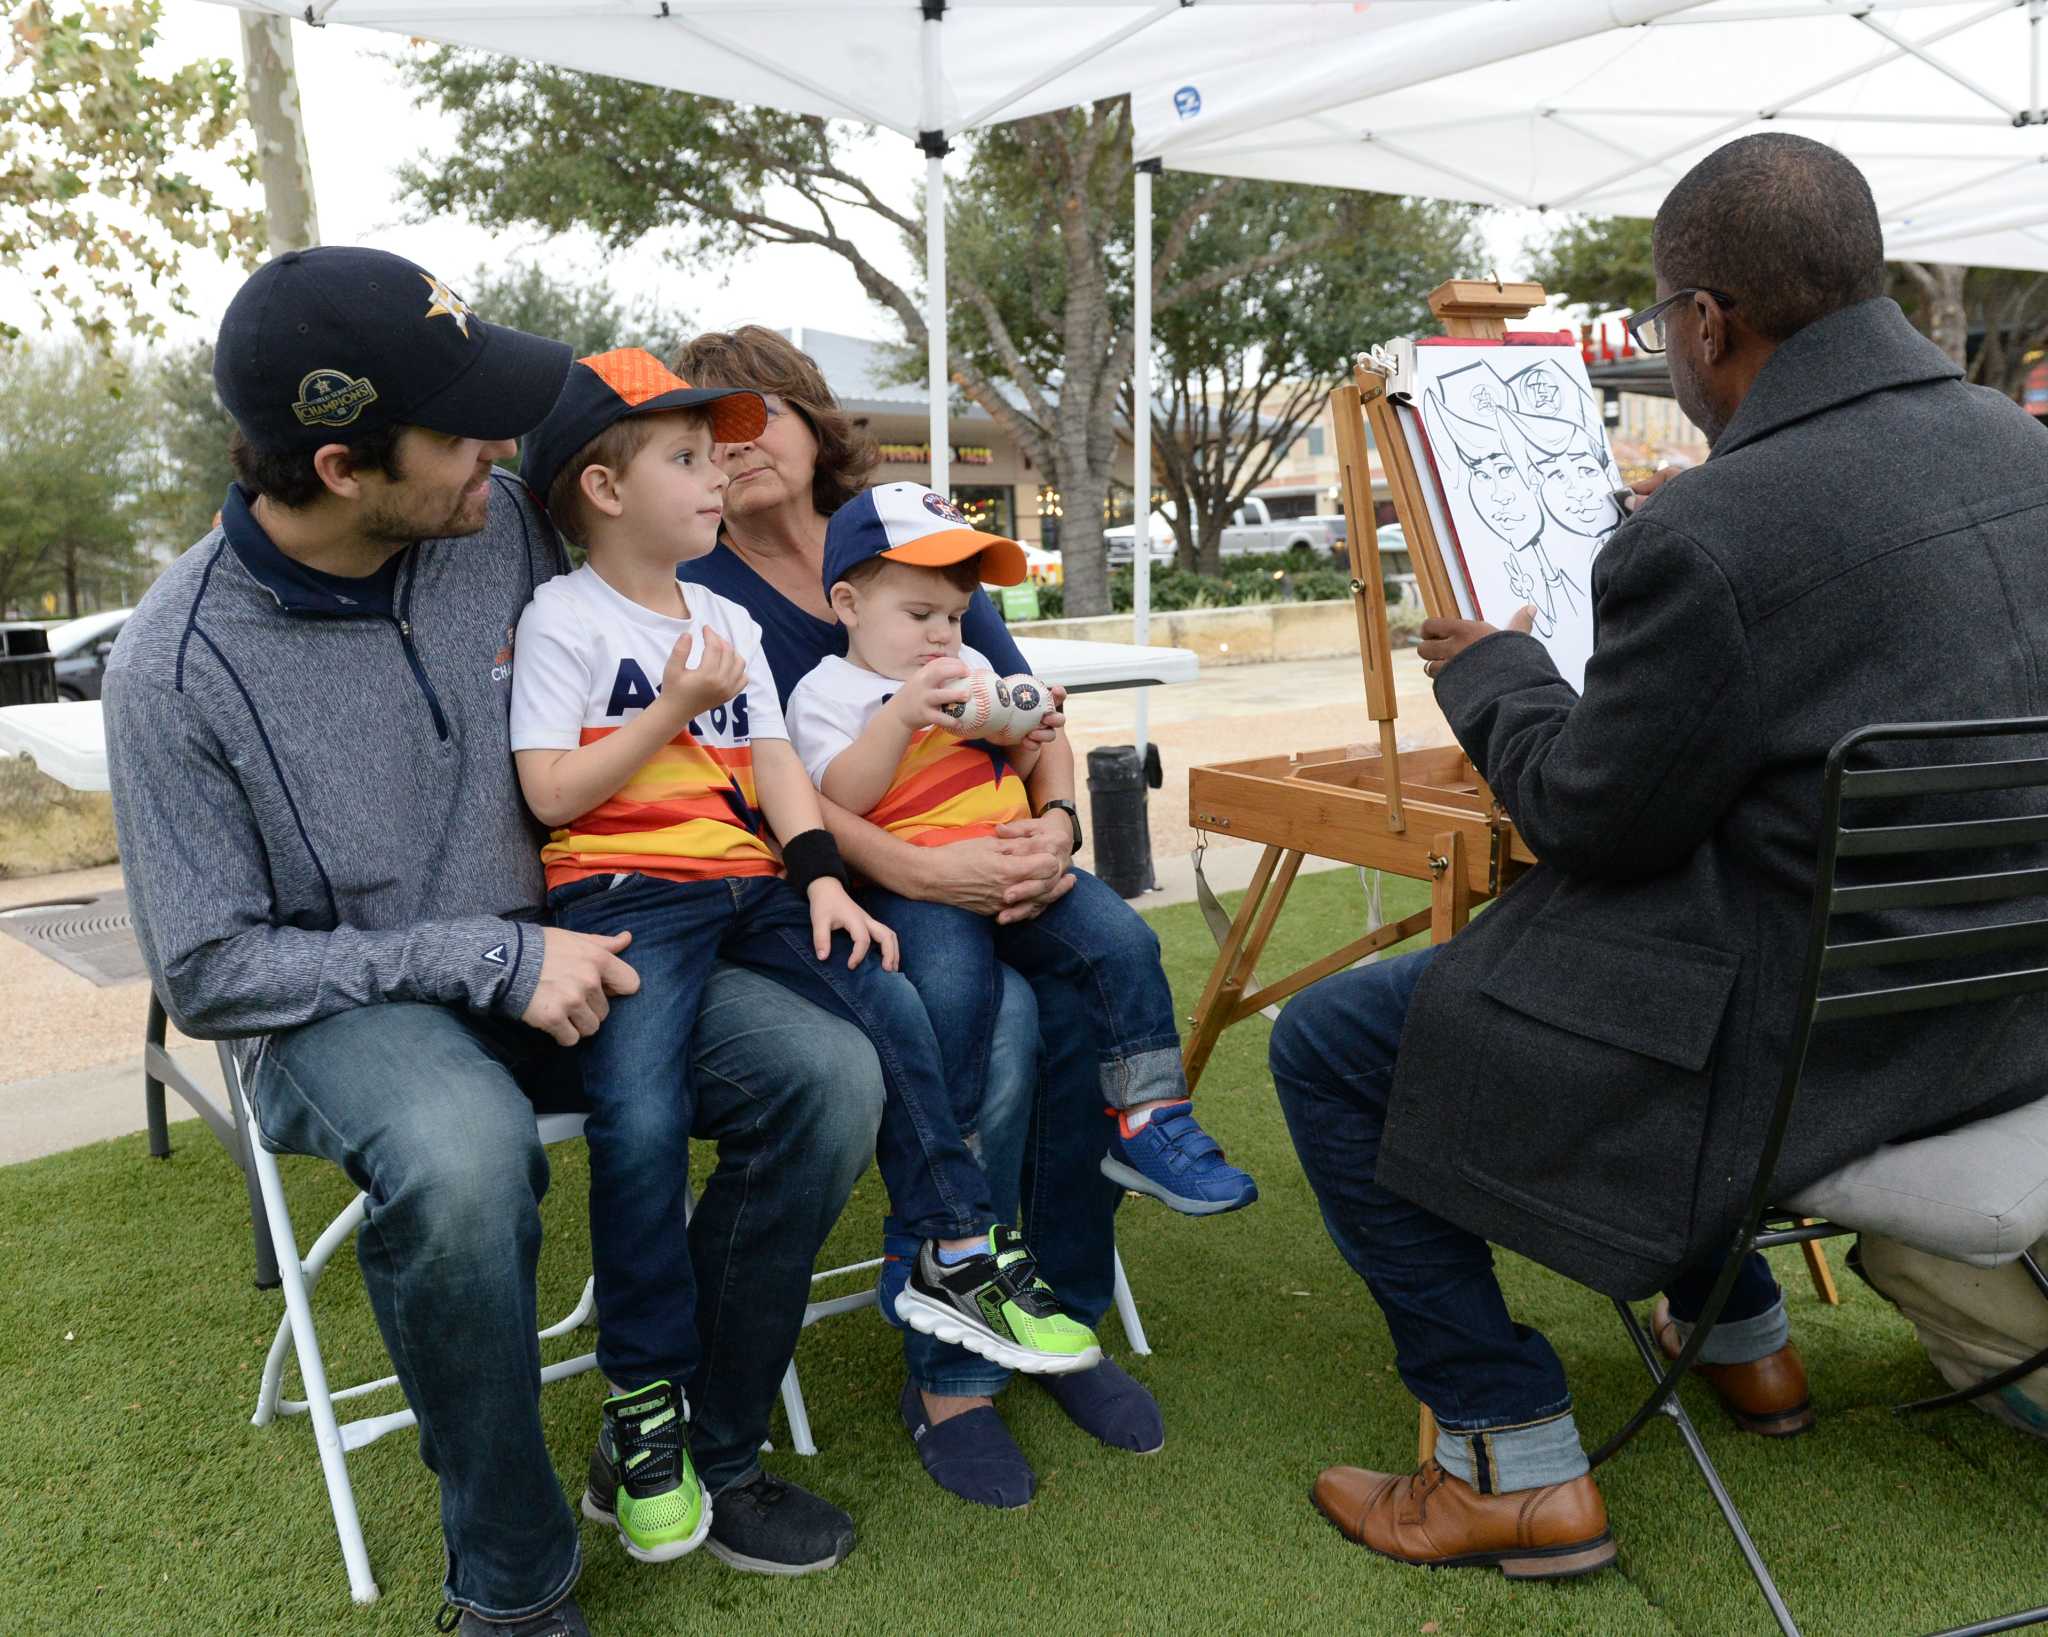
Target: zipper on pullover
403	620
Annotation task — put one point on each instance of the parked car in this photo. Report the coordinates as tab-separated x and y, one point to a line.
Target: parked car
1118	540
1254	529
80	648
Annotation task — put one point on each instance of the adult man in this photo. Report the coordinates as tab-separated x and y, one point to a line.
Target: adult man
1582	1074
328	855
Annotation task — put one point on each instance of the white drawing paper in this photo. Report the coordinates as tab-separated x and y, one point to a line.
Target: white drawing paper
1525	479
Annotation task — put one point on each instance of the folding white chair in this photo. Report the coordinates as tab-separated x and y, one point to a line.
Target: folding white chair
337	1439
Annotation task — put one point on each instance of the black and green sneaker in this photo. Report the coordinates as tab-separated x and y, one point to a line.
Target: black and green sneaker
641	1481
995	1304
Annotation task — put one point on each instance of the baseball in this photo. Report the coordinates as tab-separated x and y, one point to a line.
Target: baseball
972	715
1030	700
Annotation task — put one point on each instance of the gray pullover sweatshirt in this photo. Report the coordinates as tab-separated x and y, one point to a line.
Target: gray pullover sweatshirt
313	788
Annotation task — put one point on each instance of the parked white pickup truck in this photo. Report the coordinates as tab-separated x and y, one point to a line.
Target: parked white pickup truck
1254	529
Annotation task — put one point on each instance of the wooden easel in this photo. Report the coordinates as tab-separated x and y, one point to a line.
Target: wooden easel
1423	814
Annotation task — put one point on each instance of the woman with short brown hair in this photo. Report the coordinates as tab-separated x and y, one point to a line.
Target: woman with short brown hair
810	459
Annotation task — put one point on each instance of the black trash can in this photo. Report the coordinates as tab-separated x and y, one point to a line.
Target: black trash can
1117	784
28	673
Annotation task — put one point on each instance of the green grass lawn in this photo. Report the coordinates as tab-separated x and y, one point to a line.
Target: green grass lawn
137	1497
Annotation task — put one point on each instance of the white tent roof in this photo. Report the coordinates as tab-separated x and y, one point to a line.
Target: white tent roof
1937	101
863	59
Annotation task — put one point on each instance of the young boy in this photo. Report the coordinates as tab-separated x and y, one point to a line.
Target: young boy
901	564
649	740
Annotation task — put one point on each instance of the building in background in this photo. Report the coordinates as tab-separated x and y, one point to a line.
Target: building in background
995	481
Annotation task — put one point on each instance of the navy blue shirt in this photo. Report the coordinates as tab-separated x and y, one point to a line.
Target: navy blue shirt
298	586
795	639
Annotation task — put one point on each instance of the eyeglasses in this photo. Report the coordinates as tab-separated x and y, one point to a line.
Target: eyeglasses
1649	328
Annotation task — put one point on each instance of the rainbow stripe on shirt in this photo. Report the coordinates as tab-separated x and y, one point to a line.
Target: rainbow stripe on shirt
947	789
689	813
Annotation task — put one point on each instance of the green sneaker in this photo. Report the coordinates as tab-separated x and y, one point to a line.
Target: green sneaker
641	1481
995	1304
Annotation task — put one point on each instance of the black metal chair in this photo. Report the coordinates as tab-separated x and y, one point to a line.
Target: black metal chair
1998	957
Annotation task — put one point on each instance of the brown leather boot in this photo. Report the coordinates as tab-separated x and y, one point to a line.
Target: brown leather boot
1438	1521
1766	1397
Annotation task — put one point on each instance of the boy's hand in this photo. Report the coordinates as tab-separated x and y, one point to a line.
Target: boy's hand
918	701
833	911
720	674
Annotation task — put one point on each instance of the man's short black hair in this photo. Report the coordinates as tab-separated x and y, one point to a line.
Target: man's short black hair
1782	223
286	476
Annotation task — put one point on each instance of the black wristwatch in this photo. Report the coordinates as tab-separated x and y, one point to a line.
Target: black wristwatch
1073	816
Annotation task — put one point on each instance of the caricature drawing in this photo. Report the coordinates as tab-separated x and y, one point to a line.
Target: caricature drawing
1503	484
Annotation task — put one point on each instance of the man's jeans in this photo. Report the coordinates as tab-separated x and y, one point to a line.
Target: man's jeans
430	1111
636	1073
1496	1386
1089	940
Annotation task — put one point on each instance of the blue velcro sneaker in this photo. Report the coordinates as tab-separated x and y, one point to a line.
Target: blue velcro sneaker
1174	1160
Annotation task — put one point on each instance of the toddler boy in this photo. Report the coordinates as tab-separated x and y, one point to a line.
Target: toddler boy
901	563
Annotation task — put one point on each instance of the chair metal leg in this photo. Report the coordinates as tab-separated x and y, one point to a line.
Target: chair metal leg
1655	1363
1127	1310
152	1088
341	1497
800	1438
245	1139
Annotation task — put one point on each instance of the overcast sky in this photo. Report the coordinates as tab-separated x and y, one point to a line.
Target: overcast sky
362	124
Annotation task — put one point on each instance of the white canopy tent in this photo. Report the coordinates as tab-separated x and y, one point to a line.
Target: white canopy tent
1601	105
1939	102
925	69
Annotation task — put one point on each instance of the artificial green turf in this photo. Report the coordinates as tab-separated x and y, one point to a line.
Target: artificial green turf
137	1498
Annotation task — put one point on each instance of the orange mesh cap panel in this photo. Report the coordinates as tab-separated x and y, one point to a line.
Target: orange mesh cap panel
635	374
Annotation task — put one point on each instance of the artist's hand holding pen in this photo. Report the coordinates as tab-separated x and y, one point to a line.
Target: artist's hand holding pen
1444	640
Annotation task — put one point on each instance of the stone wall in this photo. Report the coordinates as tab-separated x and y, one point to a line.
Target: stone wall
1249	635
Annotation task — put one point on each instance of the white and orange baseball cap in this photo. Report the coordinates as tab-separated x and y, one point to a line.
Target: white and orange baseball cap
908	523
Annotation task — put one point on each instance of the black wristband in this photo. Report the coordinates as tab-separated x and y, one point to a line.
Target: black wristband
810	857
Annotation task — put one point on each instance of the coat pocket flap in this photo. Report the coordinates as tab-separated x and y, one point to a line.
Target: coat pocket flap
1653	996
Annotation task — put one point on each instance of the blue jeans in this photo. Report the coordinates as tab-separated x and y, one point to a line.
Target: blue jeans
636	1072
430	1110
1496	1386
1090	941
998	1131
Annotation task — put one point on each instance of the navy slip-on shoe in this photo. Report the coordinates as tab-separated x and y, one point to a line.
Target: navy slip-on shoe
1110	1406
972	1455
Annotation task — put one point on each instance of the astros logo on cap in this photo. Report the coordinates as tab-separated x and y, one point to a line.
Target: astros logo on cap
444	302
332	397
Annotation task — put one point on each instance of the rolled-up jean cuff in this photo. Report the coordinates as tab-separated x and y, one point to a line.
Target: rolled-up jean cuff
1529	1456
972	1379
1743	1341
508	1615
1153	1076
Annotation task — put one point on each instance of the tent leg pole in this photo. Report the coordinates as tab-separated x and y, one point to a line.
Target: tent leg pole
1141	426
932	139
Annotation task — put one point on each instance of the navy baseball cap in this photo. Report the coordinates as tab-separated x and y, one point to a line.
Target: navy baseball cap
607	387
908	523
321	345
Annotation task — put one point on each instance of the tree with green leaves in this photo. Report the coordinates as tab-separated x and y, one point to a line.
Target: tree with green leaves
1038	234
194	430
1241	374
585	312
77	464
1600	263
93	148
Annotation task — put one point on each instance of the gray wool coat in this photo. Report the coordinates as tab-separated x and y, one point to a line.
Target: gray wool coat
1588	1069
